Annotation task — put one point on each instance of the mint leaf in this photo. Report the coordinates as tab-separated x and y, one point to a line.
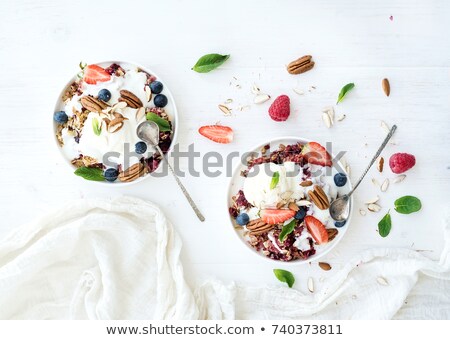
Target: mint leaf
384	226
344	92
209	62
96	126
287	229
284	276
163	124
91	174
275	180
407	205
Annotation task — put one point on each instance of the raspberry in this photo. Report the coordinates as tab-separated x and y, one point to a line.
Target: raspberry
279	110
401	162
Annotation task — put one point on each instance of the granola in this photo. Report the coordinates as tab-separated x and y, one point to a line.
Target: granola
99	113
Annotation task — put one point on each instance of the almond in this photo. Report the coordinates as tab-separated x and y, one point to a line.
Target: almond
380	164
386	86
306	183
325	266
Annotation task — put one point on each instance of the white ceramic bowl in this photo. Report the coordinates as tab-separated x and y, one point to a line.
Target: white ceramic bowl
236	183
170	109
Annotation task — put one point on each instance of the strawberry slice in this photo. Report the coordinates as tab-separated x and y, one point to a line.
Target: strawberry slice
316	229
275	216
315	153
217	133
94	74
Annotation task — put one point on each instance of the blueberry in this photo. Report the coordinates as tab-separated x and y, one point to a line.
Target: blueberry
300	215
160	100
104	95
242	219
156	87
60	117
140	147
340	224
340	179
111	174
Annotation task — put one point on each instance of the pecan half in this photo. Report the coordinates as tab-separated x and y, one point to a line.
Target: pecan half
293	206
332	232
319	198
306	183
93	104
132	173
300	65
130	98
258	226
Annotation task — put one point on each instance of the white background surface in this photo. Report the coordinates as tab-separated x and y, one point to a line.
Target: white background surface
42	42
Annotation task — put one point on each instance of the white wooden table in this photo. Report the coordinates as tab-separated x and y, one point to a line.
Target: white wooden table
42	42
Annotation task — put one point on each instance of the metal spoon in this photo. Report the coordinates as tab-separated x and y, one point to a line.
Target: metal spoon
339	207
149	132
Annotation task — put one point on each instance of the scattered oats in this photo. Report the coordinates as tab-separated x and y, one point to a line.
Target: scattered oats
313	87
373	207
298	91
228	101
385	127
148	93
225	109
326	119
354	297
382	281
261	98
341	118
399	179
375	182
255	89
373	200
362	212
311	284
235	78
238	86
385	185
326	109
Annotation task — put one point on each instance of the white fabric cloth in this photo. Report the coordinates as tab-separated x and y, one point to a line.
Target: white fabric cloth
119	259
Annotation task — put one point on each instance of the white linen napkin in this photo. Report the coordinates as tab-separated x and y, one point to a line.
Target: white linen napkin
119	259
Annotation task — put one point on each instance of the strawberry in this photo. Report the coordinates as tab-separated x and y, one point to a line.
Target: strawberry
315	153
217	133
316	229
280	110
275	216
94	74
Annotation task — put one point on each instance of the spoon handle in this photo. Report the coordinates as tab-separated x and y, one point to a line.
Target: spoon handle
380	149
183	189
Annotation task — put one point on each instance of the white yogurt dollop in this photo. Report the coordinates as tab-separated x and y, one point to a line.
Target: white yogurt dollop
257	185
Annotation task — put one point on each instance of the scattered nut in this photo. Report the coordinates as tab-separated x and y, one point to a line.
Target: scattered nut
385	185
311	284
380	164
261	98
386	86
326	119
225	109
382	281
341	118
306	183
399	179
373	207
300	65
293	206
148	93
325	266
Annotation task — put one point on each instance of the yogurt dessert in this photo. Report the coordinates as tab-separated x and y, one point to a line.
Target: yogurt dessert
97	117
282	208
